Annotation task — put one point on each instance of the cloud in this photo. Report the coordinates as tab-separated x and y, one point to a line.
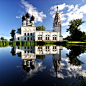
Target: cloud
73	12
17	17
72	71
39	16
38	67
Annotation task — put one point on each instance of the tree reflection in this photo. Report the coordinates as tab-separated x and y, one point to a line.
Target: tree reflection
74	53
13	52
40	57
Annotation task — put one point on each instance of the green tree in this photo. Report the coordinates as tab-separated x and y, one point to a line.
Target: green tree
40	28
2	38
73	54
76	34
12	33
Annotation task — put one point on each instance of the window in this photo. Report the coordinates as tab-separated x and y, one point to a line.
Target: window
47	37
18	38
25	38
28	34
54	37
31	34
28	38
31	38
54	48
47	48
24	51
39	48
39	37
24	34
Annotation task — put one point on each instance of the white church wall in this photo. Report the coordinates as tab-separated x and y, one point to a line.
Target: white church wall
44	33
44	51
61	38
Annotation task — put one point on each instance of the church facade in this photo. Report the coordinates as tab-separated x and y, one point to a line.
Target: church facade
28	30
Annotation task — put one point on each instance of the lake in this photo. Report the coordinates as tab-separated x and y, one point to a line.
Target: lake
48	65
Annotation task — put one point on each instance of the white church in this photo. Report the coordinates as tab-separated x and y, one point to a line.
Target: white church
28	30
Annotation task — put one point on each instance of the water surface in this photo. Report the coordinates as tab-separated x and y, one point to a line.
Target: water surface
41	65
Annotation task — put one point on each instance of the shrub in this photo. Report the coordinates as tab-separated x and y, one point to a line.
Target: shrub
28	42
19	43
24	43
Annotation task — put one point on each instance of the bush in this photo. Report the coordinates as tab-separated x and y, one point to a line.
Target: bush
19	43
28	42
13	43
24	43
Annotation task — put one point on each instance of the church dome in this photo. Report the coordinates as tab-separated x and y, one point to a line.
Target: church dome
32	18
27	15
23	18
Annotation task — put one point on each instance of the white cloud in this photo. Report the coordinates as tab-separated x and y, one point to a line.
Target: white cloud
38	67
72	71
73	12
17	17
39	16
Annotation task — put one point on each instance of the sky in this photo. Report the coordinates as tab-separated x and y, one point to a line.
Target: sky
11	12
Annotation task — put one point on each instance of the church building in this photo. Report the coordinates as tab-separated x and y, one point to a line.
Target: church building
28	30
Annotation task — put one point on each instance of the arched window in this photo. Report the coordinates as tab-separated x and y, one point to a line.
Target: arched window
54	48
18	38
39	37
47	48
25	38
28	38
47	37
54	37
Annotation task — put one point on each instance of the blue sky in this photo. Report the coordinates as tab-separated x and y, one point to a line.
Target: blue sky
11	12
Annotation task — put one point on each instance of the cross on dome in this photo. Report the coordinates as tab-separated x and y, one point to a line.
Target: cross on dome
57	7
27	10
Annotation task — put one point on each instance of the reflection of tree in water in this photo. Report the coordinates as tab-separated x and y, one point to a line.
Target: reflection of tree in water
13	51
75	51
40	57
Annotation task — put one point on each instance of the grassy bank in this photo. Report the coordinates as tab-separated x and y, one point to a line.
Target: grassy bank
35	43
76	42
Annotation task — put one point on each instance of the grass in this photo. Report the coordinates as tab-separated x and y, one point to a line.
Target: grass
35	43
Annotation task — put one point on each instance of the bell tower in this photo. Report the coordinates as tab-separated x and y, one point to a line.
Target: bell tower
57	23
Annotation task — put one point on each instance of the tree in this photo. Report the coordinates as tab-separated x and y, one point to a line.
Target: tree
2	38
73	54
40	28
12	33
76	34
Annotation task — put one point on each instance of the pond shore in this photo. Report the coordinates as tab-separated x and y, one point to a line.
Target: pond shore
34	43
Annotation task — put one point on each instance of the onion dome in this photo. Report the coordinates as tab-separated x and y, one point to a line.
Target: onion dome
27	15
32	18
23	18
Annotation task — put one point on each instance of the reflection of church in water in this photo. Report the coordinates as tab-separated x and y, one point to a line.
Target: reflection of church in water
29	54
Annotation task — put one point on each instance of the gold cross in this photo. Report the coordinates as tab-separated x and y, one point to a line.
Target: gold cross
27	9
